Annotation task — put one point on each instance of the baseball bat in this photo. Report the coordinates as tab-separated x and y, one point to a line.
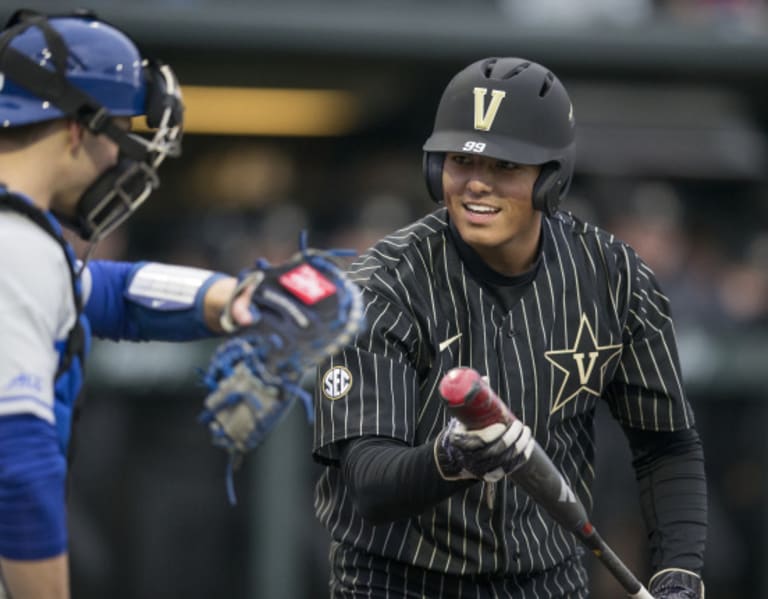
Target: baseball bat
470	399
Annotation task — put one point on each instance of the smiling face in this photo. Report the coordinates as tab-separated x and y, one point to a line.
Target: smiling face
490	203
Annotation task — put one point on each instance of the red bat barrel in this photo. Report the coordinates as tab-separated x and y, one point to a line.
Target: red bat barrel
471	400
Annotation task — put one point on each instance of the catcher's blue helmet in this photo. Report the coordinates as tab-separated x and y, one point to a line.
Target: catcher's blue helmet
81	68
102	62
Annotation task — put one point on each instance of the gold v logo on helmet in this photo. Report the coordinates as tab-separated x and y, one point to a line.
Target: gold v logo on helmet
484	119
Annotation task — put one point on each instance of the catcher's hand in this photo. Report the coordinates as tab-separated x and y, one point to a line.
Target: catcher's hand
303	311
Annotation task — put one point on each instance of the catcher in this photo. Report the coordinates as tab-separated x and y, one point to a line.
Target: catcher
70	86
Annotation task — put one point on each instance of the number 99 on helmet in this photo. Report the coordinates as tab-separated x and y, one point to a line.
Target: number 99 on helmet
509	109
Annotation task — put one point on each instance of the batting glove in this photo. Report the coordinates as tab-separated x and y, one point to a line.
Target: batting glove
675	583
487	454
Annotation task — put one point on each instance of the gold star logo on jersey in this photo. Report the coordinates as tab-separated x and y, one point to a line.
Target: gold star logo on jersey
584	365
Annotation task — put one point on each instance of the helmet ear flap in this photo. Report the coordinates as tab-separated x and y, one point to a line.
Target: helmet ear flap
432	165
548	188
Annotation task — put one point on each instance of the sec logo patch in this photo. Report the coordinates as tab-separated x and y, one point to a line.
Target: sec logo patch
336	382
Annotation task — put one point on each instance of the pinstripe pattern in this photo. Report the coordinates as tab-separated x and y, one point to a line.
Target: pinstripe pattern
592	324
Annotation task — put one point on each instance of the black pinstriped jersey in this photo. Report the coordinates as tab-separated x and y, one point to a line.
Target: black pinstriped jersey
592	323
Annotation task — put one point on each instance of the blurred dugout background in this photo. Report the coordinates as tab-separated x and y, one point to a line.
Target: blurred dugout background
670	102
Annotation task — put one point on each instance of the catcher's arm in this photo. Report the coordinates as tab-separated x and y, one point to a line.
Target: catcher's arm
301	311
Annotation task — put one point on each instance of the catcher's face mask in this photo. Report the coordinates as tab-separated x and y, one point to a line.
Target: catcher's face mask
80	67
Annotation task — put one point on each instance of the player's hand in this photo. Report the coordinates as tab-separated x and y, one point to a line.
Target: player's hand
241	310
488	454
222	298
675	583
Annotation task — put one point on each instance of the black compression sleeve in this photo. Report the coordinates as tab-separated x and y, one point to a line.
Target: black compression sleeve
390	480
673	496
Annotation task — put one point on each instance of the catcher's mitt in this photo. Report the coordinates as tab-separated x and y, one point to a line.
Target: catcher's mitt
304	310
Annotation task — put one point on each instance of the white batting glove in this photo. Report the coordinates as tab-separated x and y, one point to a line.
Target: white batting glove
486	454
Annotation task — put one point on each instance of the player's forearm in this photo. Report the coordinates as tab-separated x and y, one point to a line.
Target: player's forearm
390	480
39	579
673	495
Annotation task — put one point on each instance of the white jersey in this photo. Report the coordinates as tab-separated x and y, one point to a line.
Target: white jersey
36	310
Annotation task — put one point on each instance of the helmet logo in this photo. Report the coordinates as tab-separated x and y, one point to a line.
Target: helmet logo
484	118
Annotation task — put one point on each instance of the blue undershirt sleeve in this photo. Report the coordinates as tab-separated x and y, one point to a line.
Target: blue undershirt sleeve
116	314
32	489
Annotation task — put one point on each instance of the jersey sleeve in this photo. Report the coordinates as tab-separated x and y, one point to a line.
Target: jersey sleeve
370	388
647	390
36	311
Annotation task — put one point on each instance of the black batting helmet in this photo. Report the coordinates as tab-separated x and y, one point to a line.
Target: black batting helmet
509	109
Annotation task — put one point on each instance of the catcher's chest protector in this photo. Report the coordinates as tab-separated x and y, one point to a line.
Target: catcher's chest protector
72	352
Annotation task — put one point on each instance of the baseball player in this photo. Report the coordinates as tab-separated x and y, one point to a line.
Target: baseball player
68	88
557	314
